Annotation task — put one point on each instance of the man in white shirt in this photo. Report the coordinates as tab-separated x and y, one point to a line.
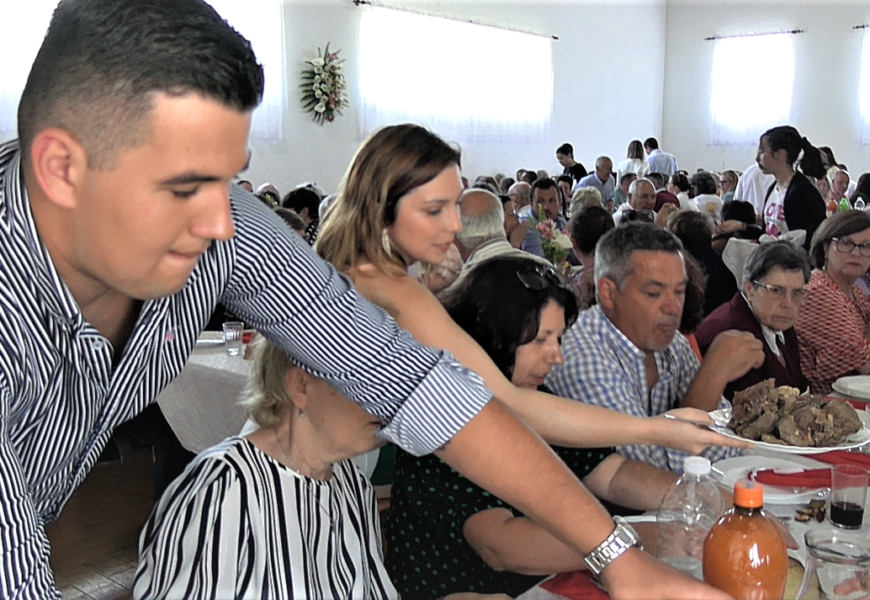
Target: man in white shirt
602	180
641	198
658	161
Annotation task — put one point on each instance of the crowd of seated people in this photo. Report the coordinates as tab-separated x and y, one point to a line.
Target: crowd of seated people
643	317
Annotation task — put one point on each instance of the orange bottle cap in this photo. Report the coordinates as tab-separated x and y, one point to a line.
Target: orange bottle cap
748	494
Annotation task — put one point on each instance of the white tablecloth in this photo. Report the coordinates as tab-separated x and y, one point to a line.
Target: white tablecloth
201	405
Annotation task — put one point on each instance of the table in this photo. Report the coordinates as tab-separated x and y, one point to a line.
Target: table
202	403
786	512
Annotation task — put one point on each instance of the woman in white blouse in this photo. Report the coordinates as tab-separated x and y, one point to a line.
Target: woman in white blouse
279	513
634	162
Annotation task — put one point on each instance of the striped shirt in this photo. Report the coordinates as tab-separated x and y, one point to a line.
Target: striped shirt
238	524
61	396
603	367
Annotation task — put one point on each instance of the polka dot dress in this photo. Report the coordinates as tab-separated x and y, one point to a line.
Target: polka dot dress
427	555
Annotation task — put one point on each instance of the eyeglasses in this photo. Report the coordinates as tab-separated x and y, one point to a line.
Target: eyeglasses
539	277
846	247
780	293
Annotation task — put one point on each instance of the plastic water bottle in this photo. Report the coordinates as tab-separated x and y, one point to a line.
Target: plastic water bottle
689	509
859	203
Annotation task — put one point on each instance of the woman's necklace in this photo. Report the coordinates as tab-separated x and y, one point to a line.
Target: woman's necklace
295	467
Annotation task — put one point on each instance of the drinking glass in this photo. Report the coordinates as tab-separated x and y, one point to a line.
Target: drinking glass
233	331
841	561
848	495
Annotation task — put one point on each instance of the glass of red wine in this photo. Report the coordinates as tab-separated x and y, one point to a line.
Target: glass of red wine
848	495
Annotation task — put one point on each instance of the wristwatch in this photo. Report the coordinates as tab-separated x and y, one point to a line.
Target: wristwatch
621	539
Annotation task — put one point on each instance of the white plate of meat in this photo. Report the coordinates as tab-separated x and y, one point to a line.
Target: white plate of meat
786	421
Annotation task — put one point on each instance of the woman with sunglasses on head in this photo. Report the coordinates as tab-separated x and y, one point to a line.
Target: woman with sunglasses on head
398	205
481	543
834	326
773	291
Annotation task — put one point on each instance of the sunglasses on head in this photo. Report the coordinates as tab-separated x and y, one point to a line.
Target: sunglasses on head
538	277
644	216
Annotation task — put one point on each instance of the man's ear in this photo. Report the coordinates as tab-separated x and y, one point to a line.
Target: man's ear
606	291
58	164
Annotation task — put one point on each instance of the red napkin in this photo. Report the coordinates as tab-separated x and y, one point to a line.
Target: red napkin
841	457
247	335
577	585
811	478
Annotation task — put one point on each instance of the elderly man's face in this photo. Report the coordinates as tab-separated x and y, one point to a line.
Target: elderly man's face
549	200
626	184
840	183
604	169
649	306
644	196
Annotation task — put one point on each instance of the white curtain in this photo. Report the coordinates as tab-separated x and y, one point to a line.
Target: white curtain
864	91
751	88
262	23
446	75
22	28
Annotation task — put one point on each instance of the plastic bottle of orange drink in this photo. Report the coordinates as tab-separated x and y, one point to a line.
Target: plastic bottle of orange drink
744	555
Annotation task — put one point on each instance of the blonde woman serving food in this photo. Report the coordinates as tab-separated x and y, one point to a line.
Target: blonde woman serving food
398	205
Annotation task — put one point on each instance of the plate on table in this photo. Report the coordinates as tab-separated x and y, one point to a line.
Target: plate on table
210	339
729	471
722	416
856	386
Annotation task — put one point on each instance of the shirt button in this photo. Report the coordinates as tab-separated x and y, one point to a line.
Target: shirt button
98	345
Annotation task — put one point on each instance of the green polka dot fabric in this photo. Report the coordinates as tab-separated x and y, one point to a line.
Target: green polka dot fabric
427	555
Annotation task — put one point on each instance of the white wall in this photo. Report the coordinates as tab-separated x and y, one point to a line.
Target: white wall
609	55
827	66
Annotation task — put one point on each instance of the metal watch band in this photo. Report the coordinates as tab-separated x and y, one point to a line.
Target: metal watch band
621	539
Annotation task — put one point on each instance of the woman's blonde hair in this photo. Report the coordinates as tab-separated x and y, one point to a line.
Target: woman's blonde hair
583	197
265	397
391	163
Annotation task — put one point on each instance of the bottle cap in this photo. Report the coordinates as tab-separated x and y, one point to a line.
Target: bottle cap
748	494
696	465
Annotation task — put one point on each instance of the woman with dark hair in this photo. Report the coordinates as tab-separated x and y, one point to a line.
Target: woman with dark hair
439	521
792	201
862	190
585	229
774	289
680	187
834	326
634	161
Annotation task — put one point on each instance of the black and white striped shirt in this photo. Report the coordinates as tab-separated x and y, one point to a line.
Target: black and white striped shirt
238	524
60	396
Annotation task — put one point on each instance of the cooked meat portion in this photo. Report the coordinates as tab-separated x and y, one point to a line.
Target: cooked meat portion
782	415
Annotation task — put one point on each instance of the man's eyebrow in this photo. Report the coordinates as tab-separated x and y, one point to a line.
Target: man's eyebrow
189	178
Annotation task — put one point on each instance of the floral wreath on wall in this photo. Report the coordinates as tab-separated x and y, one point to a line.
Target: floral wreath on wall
323	86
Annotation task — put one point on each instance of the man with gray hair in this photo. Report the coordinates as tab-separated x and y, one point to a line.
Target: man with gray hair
520	194
482	236
602	180
626	352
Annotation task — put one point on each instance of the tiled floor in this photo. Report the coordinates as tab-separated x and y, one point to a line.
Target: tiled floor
94	542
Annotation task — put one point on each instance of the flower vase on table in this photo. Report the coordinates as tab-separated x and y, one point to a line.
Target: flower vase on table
555	244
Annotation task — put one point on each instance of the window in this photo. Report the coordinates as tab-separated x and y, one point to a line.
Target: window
260	21
444	74
864	90
20	39
751	88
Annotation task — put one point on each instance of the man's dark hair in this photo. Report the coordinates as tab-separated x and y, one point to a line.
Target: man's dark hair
541	184
301	198
566	149
530	176
627	177
102	60
651	143
704	183
587	227
566	179
738	210
694	230
658	179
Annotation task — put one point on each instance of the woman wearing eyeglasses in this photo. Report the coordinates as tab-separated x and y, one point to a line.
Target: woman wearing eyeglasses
769	301
833	326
